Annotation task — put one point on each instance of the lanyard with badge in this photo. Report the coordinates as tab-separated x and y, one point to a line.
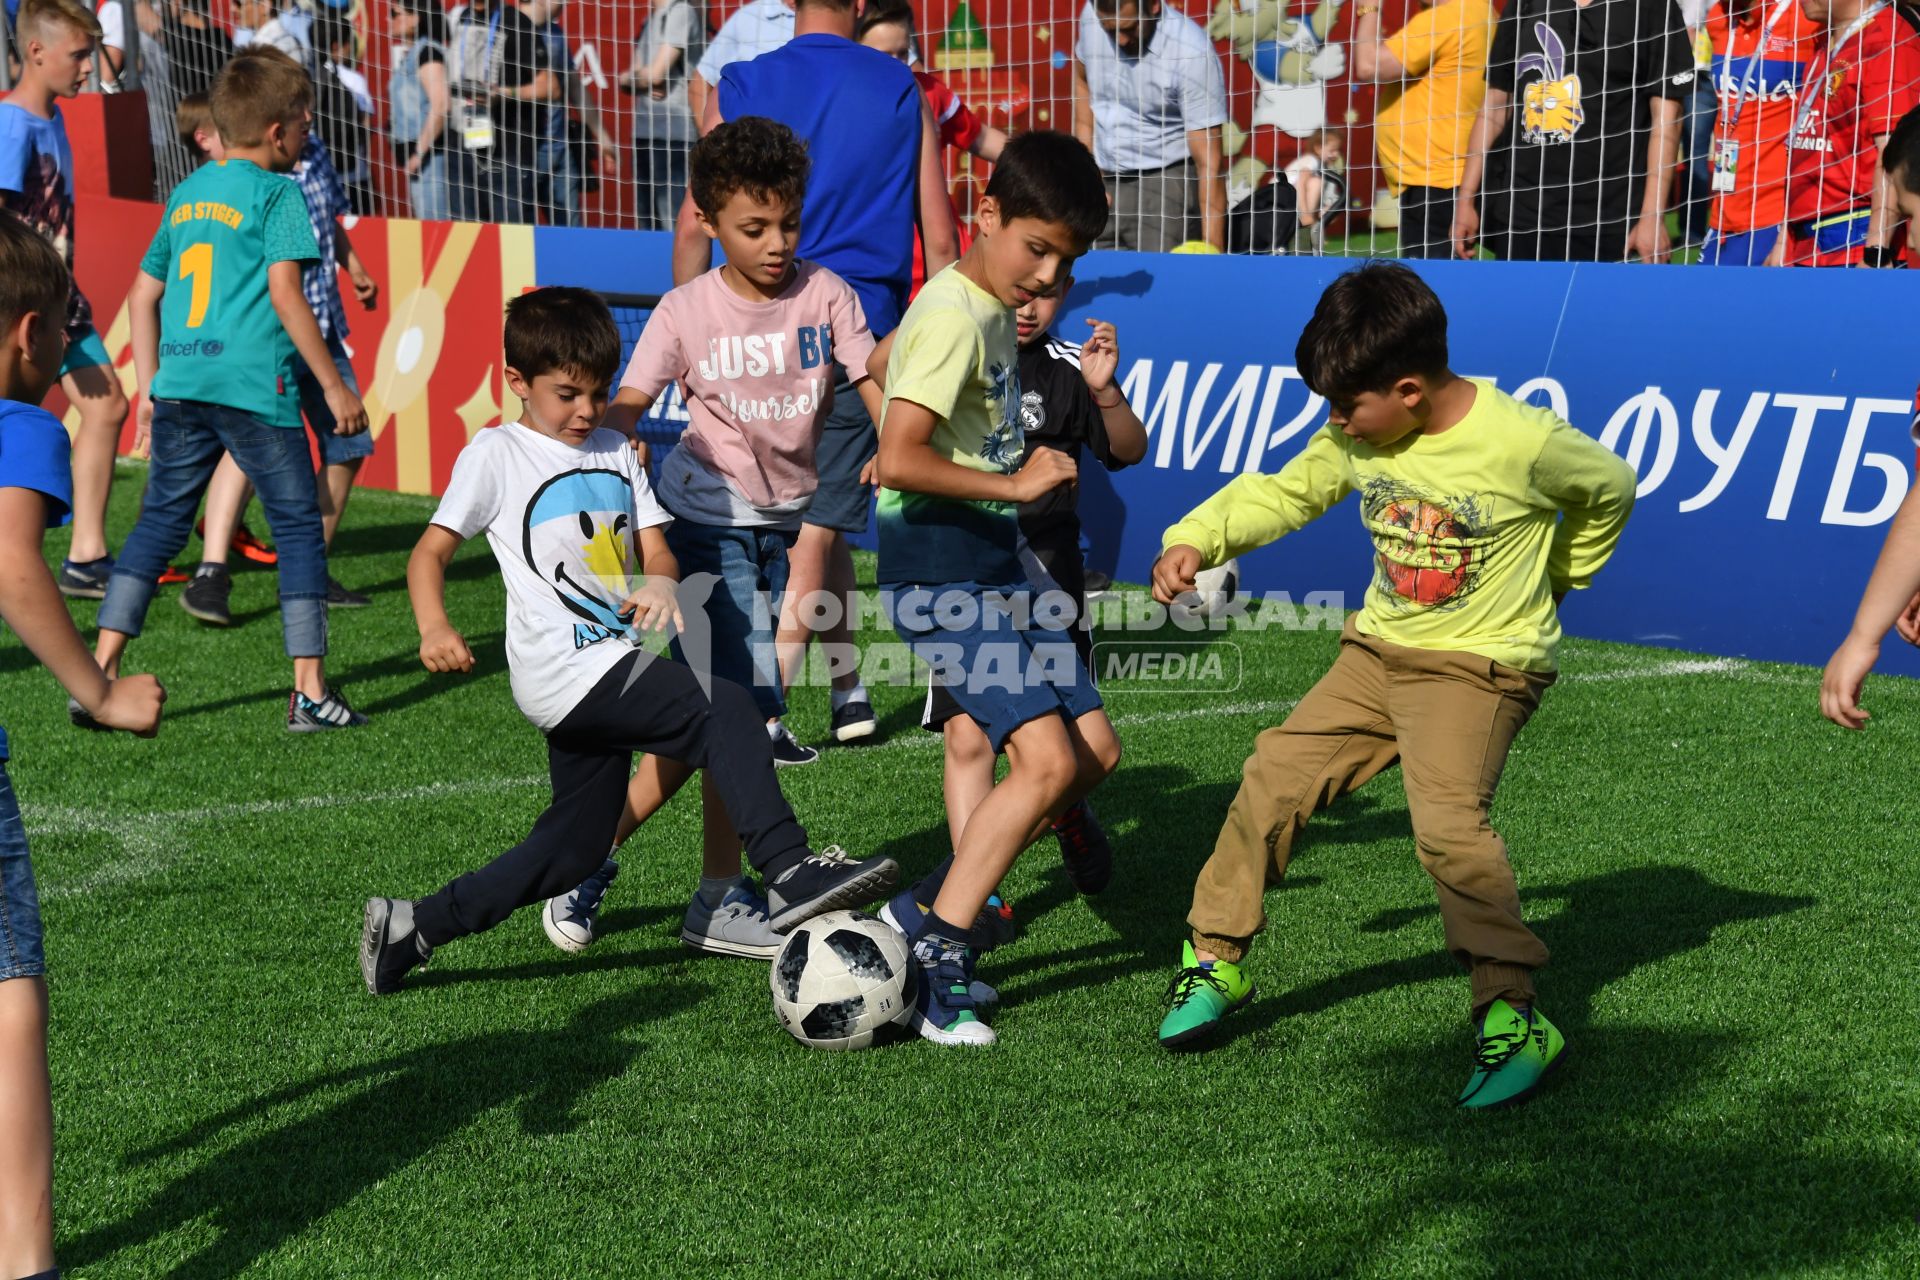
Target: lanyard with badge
1814	89
1725	155
477	132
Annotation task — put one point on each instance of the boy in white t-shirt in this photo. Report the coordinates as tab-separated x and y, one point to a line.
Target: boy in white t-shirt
574	526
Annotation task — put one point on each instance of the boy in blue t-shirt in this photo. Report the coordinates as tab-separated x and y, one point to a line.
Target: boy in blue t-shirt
953	468
218	317
57	40
36	492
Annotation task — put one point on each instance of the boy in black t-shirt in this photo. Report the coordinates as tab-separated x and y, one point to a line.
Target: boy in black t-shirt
1573	152
1069	398
504	83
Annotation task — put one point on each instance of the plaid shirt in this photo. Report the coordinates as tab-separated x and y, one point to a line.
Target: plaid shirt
326	199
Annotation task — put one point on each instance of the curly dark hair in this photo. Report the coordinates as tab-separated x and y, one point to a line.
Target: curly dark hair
753	154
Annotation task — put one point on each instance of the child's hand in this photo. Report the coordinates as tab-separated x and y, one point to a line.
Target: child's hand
143	428
133	704
1100	357
1908	623
641	453
365	288
652	607
1174	571
870	471
444	649
1840	685
1045	470
349	415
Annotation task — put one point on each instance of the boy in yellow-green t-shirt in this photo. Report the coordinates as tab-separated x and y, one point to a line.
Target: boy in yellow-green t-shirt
1484	512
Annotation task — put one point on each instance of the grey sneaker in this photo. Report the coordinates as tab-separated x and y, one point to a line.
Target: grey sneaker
737	927
827	881
86	580
568	917
207	595
389	945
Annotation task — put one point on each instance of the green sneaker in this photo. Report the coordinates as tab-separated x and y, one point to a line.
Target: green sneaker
1201	995
1517	1050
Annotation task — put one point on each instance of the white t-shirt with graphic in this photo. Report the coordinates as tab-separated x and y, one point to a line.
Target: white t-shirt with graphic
564	525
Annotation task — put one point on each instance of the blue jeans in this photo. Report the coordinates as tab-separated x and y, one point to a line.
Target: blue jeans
320	420
744	609
429	190
188	439
21	955
559	183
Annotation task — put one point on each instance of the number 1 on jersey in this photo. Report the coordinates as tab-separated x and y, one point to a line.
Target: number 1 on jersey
196	264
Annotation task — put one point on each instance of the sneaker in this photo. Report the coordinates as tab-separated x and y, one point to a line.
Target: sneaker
86	581
854	720
82	719
902	911
304	715
944	1010
568	918
206	596
249	547
787	749
1518	1047
737	927
993	927
1201	995
1084	849
172	576
389	945
338	597
827	881
1097	583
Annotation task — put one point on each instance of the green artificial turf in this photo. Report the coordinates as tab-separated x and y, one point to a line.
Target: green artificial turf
1726	881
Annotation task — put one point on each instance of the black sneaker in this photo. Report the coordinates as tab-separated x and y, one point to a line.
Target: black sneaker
304	715
82	719
389	945
1097	583
338	597
206	596
1084	849
787	749
854	720
87	581
827	881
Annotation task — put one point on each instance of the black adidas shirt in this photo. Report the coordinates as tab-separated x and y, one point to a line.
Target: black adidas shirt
1057	410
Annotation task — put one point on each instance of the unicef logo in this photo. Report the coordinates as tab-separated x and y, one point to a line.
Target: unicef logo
212	347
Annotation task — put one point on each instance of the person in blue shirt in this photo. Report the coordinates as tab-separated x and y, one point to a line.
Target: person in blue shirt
876	173
36	491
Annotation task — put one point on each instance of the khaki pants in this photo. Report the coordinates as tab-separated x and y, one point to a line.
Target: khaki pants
1449	719
1152	212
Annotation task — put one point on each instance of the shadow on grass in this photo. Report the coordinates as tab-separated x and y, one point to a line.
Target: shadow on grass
490	659
265	1189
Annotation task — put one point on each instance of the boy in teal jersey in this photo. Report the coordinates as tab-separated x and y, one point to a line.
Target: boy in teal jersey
218	315
953	469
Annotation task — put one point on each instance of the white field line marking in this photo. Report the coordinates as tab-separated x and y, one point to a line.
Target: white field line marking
150	842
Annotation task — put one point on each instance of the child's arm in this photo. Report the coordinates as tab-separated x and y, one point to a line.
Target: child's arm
365	287
1099	362
877	363
624	414
907	462
442	648
1889	594
290	304
1594	488
654	605
33	607
143	313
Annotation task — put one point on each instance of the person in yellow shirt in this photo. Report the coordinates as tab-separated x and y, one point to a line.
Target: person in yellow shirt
1484	512
1433	73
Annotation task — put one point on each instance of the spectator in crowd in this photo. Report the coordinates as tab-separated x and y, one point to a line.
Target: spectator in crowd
265	22
1696	127
1433	78
1324	155
418	103
1761	52
756	27
151	75
566	160
343	105
1865	76
1573	151
875	170
505	83
1149	98
181	48
673	40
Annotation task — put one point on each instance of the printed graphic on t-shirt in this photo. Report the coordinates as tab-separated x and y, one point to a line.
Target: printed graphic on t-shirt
1550	108
1004	445
1425	544
761	355
579	538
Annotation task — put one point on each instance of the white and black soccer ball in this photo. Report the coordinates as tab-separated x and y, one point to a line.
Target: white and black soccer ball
1213	590
840	978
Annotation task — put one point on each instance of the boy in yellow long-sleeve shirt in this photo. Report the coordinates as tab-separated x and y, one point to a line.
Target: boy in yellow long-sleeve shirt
1484	512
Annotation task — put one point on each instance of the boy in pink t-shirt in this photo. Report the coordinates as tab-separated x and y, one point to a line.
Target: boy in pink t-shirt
752	345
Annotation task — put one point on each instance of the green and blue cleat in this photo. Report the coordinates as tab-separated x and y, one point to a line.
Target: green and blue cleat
1518	1048
1201	995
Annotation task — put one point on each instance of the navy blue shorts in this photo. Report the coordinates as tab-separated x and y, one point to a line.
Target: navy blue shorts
313	405
846	443
21	955
999	653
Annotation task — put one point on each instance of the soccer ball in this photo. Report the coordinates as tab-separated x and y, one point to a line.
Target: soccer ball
840	978
1213	590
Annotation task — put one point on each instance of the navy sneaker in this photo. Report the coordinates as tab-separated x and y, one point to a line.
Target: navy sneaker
304	715
854	720
787	749
86	581
944	1009
908	918
390	946
207	596
827	881
1084	849
568	917
993	927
